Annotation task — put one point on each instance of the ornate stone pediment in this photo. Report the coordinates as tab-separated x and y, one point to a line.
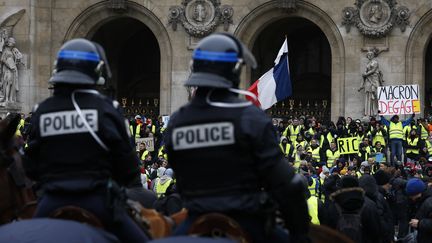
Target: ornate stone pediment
200	17
375	18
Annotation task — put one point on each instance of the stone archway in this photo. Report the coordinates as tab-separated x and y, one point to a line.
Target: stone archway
97	15
264	15
415	58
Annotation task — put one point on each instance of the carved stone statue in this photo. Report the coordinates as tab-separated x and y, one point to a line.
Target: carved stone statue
200	13
372	79
9	60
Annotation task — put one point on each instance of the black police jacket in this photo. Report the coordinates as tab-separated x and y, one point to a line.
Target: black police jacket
228	160
61	148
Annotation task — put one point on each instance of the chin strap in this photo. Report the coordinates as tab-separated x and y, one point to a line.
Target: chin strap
232	105
81	115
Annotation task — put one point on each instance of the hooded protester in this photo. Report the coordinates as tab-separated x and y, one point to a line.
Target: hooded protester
286	148
421	206
351	212
369	185
162	183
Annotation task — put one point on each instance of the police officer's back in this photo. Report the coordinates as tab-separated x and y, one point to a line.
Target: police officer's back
225	151
80	140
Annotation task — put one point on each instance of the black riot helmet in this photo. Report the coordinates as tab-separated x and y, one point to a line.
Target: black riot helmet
80	62
217	62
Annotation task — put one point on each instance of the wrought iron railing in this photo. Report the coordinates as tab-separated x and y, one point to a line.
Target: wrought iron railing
290	108
149	107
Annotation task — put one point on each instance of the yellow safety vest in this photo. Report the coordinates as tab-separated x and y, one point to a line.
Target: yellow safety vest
144	154
379	137
287	149
137	130
329	138
396	130
412	143
315	153
313	188
332	156
161	188
302	143
296	160
18	133
294	132
368	152
429	147
312	203
311	131
423	132
161	153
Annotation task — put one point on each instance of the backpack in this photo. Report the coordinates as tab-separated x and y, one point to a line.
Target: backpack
350	224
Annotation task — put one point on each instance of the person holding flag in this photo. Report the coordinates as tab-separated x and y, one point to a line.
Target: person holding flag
275	84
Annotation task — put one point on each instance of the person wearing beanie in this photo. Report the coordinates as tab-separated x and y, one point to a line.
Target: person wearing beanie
421	208
349	198
414	188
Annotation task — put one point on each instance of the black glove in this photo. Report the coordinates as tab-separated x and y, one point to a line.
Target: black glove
413	115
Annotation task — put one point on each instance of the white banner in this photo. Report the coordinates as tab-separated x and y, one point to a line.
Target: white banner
398	99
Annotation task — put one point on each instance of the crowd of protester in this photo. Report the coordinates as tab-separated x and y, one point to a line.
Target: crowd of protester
382	193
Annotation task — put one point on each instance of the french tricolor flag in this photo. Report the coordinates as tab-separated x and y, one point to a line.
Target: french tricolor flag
275	84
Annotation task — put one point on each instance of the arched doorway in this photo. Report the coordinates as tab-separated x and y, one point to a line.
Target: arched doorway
95	17
310	66
428	81
418	66
266	14
134	55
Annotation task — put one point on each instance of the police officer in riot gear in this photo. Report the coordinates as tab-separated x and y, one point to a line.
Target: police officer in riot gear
80	148
225	151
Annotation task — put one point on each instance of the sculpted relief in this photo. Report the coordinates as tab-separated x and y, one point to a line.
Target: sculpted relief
200	17
375	13
375	18
10	59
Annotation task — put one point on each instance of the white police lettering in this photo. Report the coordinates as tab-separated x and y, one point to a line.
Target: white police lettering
67	122
204	135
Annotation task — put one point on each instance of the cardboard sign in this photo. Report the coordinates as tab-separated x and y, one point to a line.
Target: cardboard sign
165	120
149	143
348	145
398	99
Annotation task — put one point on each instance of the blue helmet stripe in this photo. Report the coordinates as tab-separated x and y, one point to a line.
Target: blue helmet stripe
79	55
215	56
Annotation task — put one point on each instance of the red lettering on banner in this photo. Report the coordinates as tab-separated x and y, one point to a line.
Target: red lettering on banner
393	107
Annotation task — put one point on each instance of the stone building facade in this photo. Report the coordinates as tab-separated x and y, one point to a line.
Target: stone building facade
150	42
